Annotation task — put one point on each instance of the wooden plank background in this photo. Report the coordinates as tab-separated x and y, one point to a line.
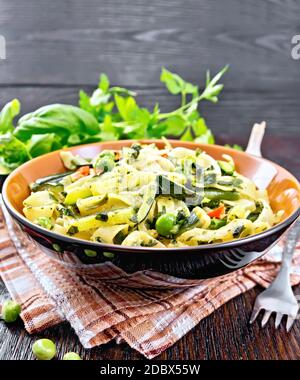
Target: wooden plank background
69	42
54	48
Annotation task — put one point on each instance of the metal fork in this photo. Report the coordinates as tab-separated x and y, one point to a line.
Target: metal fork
237	258
279	297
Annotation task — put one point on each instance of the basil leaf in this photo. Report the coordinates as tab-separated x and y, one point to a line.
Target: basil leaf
60	119
13	152
41	144
7	115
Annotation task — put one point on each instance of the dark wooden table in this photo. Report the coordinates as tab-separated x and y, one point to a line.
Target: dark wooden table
55	48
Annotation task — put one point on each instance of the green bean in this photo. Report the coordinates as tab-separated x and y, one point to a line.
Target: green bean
218	195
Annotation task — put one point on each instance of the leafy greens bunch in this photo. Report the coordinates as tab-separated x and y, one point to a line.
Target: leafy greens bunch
120	117
110	113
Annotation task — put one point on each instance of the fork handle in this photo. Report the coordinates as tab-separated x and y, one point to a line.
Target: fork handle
292	238
255	139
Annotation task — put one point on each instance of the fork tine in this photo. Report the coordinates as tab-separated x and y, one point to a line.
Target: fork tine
236	255
278	320
289	323
232	260
254	314
240	252
266	318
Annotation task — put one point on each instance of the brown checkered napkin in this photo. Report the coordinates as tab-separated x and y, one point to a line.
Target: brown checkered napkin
150	321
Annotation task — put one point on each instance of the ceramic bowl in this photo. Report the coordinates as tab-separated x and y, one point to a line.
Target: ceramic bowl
205	261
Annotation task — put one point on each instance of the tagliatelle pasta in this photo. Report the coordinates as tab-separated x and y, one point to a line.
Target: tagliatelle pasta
145	196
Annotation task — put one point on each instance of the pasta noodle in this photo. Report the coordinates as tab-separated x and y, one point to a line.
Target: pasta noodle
145	196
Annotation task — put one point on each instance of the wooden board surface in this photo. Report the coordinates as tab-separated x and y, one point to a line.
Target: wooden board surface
224	335
69	42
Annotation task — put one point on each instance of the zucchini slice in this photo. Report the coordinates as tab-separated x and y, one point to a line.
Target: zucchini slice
91	205
76	194
226	167
148	200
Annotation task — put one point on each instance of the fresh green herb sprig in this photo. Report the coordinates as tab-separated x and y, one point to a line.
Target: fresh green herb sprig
120	116
110	113
234	146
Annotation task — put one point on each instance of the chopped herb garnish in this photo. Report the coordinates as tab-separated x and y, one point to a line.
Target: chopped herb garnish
255	214
102	216
237	232
73	230
120	236
68	211
215	224
149	243
136	150
181	217
211	204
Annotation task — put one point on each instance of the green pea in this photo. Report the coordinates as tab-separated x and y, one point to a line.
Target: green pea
45	222
166	224
71	356
57	247
10	311
90	253
109	255
44	349
105	161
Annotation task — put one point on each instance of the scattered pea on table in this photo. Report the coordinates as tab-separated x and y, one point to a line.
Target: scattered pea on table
10	311
44	349
71	356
